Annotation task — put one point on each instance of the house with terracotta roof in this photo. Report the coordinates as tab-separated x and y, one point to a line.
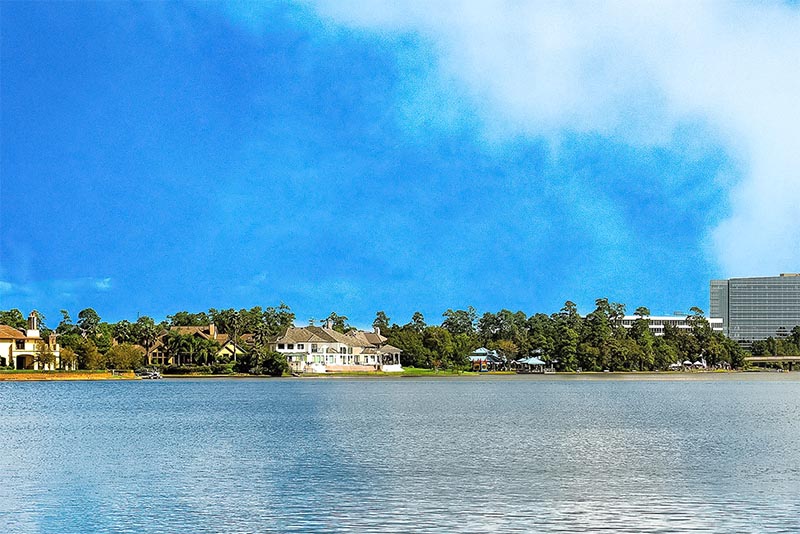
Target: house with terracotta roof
26	349
317	349
228	349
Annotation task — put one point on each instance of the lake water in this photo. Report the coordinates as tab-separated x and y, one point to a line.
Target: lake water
477	454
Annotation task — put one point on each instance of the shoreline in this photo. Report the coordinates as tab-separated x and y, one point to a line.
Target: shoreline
64	376
664	376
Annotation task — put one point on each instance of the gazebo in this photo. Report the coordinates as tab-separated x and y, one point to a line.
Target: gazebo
483	360
530	365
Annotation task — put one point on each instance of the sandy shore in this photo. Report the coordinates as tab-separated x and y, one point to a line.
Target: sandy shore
27	376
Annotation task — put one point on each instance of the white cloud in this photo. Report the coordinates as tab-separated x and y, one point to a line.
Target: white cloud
6	288
103	284
634	72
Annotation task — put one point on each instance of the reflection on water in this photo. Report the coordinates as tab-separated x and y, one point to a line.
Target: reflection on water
348	455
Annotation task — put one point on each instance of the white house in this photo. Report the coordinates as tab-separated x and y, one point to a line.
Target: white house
658	322
27	350
316	349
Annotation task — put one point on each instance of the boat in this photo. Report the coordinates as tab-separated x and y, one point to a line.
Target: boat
149	374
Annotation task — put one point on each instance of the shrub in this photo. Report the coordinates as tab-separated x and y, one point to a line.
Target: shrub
187	370
222	369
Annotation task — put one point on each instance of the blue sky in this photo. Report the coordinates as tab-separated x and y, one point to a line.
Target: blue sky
355	157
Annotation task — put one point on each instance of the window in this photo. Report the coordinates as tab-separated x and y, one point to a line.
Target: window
301	346
280	346
313	347
290	346
20	343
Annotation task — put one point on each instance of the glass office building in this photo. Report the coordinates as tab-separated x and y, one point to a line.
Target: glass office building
756	308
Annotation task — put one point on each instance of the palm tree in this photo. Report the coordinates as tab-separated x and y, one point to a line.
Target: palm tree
206	351
176	345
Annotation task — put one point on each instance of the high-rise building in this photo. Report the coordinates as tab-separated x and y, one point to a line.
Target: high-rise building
756	308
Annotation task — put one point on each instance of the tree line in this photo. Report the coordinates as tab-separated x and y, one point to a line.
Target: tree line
566	340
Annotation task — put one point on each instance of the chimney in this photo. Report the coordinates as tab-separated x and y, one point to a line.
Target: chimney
328	324
33	325
212	331
376	329
33	321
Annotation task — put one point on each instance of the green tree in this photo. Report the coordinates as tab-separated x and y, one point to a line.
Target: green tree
418	322
460	321
185	318
664	353
145	332
640	332
123	332
439	343
125	356
13	318
229	322
205	351
409	340
507	348
88	356
68	359
463	345
177	346
381	321
70	340
569	315
794	336
541	334
566	348
105	337
267	362
44	355
275	321
66	326
88	322
338	323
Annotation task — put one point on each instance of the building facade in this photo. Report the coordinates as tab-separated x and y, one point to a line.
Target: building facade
317	349
227	349
657	323
27	349
752	309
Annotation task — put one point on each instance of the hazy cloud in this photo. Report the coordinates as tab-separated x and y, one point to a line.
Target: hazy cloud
636	73
28	294
103	284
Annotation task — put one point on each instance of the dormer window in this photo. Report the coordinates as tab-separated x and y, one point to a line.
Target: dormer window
290	346
20	344
281	346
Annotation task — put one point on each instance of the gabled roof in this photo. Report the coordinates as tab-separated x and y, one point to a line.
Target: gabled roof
229	345
9	332
368	338
389	349
318	334
345	339
302	335
203	331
